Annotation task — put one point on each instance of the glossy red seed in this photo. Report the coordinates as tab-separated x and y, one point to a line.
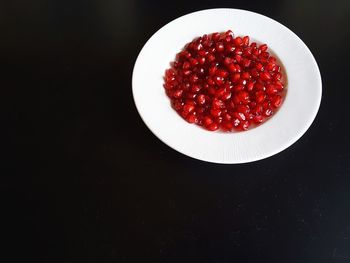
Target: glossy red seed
235	77
212	127
236	122
267	112
263	47
193	78
250	85
243	96
220	92
245	75
220	46
259	96
238	41
258	119
186	65
227	126
246	62
216	36
222	73
227	117
276	101
215	112
226	95
265	76
201	99
238	58
192	118
246	40
195	88
187	108
201	60
271	89
207	121
244	125
231	67
227	61
193	61
238	87
178	93
217	104
219	80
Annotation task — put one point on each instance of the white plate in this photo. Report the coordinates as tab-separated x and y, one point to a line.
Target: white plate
283	129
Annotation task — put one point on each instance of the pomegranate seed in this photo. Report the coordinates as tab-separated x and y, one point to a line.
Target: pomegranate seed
271	89
220	92
246	75
238	58
217	104
238	41
277	76
232	68
192	118
215	112
263	47
267	112
227	117
195	88
238	87
186	65
227	61
279	85
243	96
201	99
220	46
243	108
259	67
193	61
250	85
246	41
235	77
212	127
193	78
259	96
229	48
226	95
207	120
187	108
222	73
211	57
238	68
216	36
265	76
276	101
187	72
227	126
246	62
178	93
244	125
236	122
201	60
177	104
258	119
221	82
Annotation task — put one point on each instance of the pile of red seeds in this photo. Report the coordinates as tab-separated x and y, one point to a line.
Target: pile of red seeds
219	81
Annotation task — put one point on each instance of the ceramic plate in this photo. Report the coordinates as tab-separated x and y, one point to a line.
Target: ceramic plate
285	127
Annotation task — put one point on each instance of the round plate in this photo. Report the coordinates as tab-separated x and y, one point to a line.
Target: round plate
284	128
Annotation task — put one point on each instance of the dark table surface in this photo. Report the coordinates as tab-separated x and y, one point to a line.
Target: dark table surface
90	183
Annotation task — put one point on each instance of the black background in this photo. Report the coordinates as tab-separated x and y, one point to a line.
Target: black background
88	182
